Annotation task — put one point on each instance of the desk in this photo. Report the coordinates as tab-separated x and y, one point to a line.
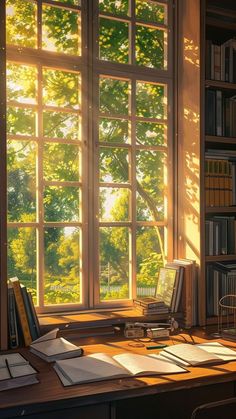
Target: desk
172	396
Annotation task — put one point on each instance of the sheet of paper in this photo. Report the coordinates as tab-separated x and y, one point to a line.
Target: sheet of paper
225	353
192	354
13	359
22	370
172	358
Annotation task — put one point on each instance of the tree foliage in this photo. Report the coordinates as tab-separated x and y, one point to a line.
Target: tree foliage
61	162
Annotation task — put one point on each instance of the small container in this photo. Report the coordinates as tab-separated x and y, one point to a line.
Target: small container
158	332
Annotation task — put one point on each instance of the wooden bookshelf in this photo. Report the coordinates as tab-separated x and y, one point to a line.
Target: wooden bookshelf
218	26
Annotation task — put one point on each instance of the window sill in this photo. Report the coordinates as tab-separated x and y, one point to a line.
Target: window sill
86	320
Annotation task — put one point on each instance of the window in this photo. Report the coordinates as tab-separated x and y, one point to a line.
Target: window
89	149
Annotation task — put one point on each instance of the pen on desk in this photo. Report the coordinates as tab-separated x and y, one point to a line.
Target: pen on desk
156	346
8	367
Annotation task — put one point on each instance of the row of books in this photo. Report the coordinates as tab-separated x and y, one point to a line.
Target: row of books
23	325
221	61
220	236
220	114
175	291
220	281
220	179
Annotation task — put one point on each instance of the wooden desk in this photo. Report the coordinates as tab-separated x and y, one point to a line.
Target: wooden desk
172	396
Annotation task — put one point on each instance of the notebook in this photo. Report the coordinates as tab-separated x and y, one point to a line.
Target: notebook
100	366
51	348
16	371
202	354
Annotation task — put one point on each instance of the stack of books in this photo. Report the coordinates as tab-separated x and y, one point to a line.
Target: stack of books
176	291
220	236
220	281
221	61
16	371
220	177
220	113
23	325
150	306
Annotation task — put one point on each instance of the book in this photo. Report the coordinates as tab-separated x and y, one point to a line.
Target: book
148	302
101	366
201	354
16	371
28	309
12	322
166	285
21	310
51	348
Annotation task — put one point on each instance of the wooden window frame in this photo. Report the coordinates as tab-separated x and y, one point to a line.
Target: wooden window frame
96	67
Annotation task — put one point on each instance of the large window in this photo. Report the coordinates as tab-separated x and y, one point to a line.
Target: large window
89	149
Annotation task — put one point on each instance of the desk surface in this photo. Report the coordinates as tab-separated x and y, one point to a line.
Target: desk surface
50	390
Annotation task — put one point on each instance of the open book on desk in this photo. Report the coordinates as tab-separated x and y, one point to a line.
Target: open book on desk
15	371
185	354
50	348
100	366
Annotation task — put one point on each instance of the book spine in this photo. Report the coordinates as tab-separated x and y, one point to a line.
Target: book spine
12	325
34	315
32	328
22	312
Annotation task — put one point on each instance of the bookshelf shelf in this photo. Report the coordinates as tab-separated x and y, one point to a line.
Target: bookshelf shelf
218	210
220	258
223	85
220	139
220	24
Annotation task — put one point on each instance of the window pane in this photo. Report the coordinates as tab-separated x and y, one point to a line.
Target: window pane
61	203
149	133
61	88
116	7
21	121
114	204
21	23
61	30
21	83
22	257
113	40
151	11
62	265
61	125
114	263
149	245
114	96
113	130
113	165
150	100
150	47
61	162
21	181
151	184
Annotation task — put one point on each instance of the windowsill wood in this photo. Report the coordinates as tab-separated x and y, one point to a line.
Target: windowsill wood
85	320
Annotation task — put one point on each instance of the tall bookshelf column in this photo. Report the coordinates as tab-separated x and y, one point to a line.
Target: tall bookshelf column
189	224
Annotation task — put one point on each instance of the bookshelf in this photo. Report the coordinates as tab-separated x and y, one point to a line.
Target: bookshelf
218	142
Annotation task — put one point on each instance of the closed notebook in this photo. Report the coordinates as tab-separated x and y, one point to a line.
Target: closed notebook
53	349
202	354
100	366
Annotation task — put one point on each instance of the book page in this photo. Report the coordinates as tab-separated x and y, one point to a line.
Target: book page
224	353
22	370
91	368
13	359
54	346
146	364
48	336
192	354
4	374
173	359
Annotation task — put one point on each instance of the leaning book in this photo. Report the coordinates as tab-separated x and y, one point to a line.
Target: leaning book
16	371
101	366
